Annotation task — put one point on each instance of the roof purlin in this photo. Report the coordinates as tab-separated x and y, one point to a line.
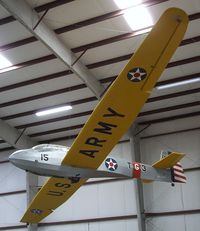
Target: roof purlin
38	9
153	99
90	66
150	112
82	24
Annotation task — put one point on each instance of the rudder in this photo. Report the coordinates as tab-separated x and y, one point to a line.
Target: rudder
177	173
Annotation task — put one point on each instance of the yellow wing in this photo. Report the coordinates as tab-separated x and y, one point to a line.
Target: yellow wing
54	193
126	96
169	161
116	111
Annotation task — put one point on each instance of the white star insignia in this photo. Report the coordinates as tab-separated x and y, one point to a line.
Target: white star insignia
111	164
135	73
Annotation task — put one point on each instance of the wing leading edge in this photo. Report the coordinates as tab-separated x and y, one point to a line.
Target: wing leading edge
115	112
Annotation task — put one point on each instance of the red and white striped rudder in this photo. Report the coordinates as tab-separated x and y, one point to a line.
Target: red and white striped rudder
178	173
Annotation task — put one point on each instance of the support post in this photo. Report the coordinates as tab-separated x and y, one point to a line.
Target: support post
31	188
136	156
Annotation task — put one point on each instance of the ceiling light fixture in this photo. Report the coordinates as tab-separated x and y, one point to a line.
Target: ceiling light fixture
53	110
135	13
170	85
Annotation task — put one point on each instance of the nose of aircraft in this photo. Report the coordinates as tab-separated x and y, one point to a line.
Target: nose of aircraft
24	158
18	157
14	156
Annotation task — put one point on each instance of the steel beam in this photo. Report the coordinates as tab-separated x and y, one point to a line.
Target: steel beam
11	135
135	151
28	17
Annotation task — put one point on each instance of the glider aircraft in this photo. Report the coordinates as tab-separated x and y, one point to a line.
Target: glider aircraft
69	168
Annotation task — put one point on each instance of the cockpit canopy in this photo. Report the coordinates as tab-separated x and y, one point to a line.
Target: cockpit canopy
48	147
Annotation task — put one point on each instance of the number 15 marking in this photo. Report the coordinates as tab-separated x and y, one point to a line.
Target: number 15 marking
44	157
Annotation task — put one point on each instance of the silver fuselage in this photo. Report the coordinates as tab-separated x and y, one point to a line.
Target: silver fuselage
46	160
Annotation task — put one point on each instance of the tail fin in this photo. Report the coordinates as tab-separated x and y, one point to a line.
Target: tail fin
177	173
170	160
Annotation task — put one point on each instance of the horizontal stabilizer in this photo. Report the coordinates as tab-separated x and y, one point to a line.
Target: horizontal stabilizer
169	161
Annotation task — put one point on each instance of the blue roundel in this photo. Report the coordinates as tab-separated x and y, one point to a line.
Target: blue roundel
111	164
36	211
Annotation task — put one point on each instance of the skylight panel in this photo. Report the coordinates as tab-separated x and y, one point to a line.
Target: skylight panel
135	13
4	62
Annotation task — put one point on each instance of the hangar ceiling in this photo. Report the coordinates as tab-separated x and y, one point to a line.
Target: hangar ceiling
97	42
